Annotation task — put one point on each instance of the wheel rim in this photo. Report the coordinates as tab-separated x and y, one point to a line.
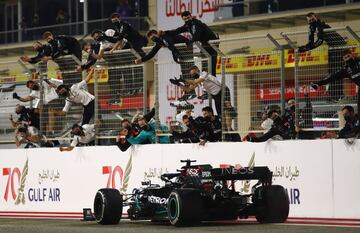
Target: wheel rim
173	209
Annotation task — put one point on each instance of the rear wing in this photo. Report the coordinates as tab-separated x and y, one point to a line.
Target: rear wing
263	174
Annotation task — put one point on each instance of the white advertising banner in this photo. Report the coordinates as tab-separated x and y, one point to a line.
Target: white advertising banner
346	172
169	11
49	183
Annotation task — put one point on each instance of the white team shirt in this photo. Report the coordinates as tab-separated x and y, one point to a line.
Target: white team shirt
106	44
78	95
49	92
211	84
89	130
267	125
32	132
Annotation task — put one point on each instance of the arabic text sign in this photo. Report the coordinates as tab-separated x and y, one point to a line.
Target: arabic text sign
196	7
47	180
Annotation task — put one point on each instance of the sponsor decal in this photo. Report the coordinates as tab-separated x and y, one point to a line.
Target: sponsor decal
193	172
244	184
263	59
157	200
294	195
237	171
12	174
117	172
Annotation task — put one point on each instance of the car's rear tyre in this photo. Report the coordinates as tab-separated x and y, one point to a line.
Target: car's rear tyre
108	206
185	207
271	204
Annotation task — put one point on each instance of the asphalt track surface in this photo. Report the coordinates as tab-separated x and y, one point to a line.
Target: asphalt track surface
76	226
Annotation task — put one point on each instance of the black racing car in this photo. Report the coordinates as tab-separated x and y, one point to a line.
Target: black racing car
198	193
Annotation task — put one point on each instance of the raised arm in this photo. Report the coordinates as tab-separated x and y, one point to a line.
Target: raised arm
312	44
151	54
341	74
23	99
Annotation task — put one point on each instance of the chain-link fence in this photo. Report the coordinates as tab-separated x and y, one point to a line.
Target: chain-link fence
253	76
13	78
252	69
121	92
318	108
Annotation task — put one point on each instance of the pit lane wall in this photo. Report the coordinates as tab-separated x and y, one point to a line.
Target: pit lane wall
321	177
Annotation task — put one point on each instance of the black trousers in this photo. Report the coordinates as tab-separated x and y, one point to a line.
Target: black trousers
75	50
66	65
137	46
217	100
88	112
213	57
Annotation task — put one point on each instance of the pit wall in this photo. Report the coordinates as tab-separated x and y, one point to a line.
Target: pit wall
320	176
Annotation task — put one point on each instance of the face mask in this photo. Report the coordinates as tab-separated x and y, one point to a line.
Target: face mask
117	23
128	127
156	40
100	38
195	76
347	118
351	62
51	41
188	23
77	133
277	120
145	127
36	87
292	108
64	94
208	118
22	130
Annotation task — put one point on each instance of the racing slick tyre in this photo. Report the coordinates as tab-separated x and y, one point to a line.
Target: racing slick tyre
271	204
185	207
108	206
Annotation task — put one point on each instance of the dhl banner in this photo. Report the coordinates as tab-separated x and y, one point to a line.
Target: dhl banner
265	59
53	73
102	75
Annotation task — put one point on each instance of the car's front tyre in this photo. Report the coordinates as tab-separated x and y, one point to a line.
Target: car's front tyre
108	206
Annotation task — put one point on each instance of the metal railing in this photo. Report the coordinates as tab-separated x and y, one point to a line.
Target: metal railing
74	28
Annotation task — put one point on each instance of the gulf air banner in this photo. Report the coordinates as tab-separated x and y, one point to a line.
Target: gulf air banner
318	175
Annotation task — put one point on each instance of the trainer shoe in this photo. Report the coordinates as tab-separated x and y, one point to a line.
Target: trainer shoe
182	105
205	96
187	96
177	82
114	101
314	86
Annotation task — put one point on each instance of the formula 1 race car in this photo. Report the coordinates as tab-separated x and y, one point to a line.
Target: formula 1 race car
198	193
